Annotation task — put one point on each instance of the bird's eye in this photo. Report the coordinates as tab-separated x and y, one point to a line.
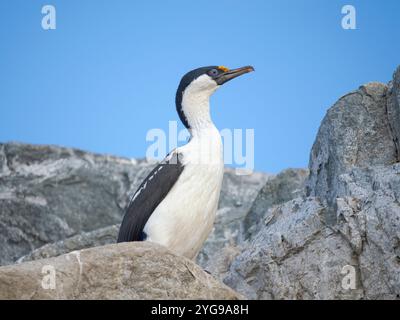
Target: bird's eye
213	72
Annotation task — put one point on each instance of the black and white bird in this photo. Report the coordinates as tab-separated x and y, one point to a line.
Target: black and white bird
175	205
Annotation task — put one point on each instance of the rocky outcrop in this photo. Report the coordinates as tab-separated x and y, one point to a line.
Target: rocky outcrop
298	255
393	109
49	194
232	229
356	132
342	240
287	185
286	260
98	237
134	270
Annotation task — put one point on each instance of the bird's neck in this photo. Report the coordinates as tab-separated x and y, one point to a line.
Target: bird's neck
205	145
196	107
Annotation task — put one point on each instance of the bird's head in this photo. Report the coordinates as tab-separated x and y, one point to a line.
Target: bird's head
197	86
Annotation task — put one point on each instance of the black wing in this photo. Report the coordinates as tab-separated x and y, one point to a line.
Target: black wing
148	196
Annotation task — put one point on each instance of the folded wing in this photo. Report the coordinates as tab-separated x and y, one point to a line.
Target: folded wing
149	195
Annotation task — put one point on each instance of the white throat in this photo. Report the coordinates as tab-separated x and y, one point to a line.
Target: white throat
205	145
196	104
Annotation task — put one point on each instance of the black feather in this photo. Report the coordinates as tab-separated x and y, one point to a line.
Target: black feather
149	195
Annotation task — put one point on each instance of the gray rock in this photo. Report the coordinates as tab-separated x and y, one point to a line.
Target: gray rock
49	194
310	247
354	133
134	270
298	255
287	185
234	227
291	257
239	191
220	262
372	227
393	109
81	241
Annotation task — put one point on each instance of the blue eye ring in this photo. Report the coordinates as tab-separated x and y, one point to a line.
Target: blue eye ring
213	72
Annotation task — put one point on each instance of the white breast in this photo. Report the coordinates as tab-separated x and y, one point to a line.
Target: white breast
184	219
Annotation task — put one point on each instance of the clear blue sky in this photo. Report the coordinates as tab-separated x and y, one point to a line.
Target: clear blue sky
110	70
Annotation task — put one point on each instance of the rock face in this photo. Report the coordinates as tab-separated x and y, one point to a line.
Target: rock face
49	194
287	259
233	231
98	237
286	186
234	227
118	271
355	132
342	240
393	109
298	255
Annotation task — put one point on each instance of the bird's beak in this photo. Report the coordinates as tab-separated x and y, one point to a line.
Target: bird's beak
231	74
